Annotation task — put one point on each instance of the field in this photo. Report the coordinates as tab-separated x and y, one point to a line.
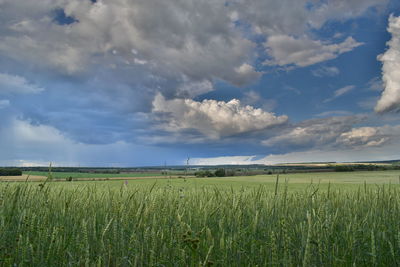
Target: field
64	175
318	219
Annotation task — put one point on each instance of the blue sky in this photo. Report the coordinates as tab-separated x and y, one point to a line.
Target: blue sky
149	82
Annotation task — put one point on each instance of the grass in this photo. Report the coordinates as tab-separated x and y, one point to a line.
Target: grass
240	221
64	175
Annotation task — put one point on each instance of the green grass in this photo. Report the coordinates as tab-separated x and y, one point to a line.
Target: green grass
325	219
64	175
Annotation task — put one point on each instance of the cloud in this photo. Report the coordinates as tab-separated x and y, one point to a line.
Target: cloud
192	89
4	103
366	153
331	113
340	92
271	17
313	133
390	99
212	118
28	144
287	50
334	155
375	84
254	98
325	71
224	160
365	137
339	10
169	38
246	74
15	84
357	144
335	132
103	62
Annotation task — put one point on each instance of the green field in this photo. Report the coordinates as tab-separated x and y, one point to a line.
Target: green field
318	219
64	175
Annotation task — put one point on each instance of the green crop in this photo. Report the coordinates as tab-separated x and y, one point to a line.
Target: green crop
167	225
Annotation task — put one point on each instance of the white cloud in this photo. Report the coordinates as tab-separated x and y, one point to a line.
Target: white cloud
254	98
38	134
314	155
4	103
325	71
213	118
335	132
166	37
287	50
357	144
225	160
314	133
331	113
334	155
340	92
363	136
271	17
38	144
375	84
324	11
190	89
17	85
246	74
390	99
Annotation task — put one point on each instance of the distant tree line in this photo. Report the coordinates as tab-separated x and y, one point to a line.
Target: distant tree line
10	172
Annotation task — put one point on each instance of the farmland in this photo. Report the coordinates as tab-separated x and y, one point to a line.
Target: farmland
77	175
318	219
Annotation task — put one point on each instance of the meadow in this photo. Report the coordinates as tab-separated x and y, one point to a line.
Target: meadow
318	219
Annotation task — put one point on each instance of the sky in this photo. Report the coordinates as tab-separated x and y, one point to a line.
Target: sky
120	83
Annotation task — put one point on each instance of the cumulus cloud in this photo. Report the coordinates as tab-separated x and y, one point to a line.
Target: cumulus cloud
108	59
390	99
213	118
288	50
169	38
17	85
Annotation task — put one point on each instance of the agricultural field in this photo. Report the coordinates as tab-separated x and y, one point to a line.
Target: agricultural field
318	219
77	175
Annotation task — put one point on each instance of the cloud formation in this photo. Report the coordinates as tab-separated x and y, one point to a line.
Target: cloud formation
390	99
314	133
288	50
366	136
213	118
14	84
325	71
169	38
120	72
335	132
340	92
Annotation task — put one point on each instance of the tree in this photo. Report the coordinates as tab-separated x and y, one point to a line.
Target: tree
220	172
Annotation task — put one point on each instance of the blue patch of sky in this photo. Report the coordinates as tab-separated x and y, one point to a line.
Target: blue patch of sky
61	18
